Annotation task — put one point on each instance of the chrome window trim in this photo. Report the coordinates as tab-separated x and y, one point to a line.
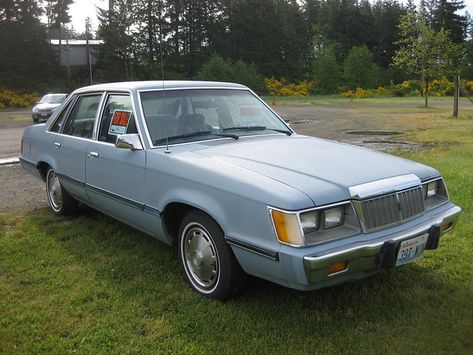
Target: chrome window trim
148	136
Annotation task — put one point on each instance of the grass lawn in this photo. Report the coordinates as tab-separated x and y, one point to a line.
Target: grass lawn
91	284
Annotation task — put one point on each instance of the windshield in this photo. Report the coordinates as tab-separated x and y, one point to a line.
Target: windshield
179	116
53	99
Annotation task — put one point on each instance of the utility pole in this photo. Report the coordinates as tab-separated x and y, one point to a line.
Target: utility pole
68	62
89	59
456	95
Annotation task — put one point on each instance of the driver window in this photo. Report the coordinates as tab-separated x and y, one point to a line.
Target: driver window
117	118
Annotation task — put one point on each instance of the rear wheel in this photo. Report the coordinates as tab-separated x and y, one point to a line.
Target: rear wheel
208	261
58	198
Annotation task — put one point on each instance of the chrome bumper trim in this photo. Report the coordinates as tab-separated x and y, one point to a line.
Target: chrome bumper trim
366	256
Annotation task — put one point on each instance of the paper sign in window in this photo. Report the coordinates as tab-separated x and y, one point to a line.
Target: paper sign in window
251	116
120	121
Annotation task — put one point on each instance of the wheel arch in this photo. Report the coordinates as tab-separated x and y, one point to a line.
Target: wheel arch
173	214
43	168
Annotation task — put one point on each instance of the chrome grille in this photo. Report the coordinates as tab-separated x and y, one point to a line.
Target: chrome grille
390	209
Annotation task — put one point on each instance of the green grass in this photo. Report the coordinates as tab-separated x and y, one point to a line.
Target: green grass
90	284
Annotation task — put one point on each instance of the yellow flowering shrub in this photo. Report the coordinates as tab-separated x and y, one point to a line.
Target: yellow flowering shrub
441	87
382	91
282	88
468	87
10	98
359	93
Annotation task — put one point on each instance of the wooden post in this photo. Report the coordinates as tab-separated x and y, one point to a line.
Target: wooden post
456	94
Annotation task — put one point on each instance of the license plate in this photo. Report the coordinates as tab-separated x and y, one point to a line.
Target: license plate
43	114
411	249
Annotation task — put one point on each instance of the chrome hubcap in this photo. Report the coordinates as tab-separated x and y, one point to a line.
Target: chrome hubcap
200	256
54	191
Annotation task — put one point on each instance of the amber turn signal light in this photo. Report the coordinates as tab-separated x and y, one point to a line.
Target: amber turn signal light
333	269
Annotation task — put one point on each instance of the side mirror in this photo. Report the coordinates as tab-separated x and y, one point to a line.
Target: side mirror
129	141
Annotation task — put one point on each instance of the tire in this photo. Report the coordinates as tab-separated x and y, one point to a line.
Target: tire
208	261
35	120
59	199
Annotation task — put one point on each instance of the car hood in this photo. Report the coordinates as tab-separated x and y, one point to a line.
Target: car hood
46	106
322	169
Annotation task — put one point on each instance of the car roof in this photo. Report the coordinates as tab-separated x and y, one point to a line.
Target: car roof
159	85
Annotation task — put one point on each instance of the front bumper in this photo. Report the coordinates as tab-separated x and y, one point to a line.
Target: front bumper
366	258
41	116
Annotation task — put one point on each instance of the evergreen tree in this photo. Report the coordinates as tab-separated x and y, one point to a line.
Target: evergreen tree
411	6
117	54
359	69
447	17
325	71
24	59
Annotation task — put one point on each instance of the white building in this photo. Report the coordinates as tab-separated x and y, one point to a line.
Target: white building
74	51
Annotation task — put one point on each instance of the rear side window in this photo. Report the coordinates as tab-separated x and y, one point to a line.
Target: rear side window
117	118
80	122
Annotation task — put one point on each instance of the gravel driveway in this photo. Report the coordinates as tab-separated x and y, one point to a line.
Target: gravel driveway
20	191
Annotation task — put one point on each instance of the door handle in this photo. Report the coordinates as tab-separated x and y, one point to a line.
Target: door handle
58	145
93	155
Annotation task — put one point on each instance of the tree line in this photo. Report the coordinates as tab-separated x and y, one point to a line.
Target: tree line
334	43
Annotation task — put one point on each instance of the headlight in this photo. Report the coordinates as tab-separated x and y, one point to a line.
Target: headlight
435	193
316	225
310	221
35	110
432	188
333	217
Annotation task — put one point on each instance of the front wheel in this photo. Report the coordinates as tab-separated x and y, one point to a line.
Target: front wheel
208	261
58	198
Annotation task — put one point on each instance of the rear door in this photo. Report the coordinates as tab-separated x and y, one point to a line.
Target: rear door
71	145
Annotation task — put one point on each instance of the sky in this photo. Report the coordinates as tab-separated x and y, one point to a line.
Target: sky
81	9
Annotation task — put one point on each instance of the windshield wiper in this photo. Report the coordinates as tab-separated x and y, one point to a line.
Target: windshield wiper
194	134
256	128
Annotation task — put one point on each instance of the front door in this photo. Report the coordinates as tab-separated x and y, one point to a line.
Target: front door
115	177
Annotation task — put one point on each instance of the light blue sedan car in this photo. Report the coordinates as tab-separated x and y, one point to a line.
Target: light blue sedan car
209	167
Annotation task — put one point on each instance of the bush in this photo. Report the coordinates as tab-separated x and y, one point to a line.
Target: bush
406	88
281	88
441	87
359	93
468	87
382	91
10	99
220	69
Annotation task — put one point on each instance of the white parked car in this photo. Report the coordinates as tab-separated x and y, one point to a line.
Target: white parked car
46	106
